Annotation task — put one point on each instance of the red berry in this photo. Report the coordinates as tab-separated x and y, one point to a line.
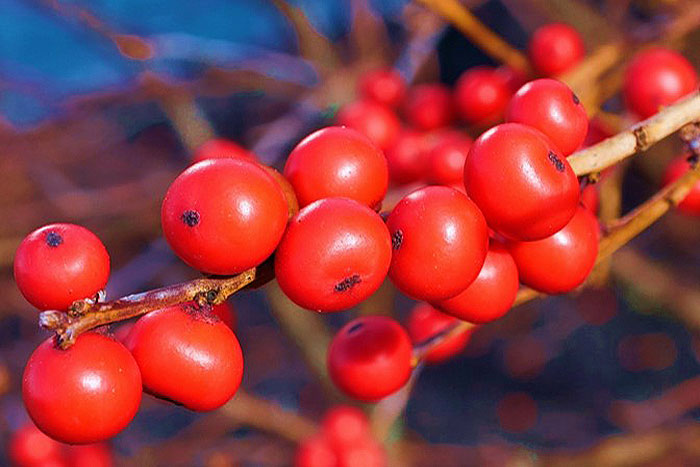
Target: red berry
374	120
367	453
440	240
657	77
551	107
85	394
226	313
60	263
315	452
521	182
337	161
29	447
674	171
187	356
481	95
370	357
384	85
344	426
224	216
335	254
425	322
561	262
429	106
513	78
90	455
555	48
407	158
446	160
220	148
589	198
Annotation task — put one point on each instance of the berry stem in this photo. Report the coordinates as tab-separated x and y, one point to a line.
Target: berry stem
91	315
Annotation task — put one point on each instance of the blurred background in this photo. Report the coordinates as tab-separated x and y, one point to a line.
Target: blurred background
102	104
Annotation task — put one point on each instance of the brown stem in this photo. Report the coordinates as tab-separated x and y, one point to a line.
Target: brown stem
86	314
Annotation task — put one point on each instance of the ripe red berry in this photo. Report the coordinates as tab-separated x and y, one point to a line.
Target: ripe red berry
424	322
555	48
187	356
589	198
440	239
315	452
337	161
657	77
367	453
521	182
407	158
334	254
224	216
429	106
60	263
674	171
85	394
481	95
344	426
446	160
385	86
30	447
561	262
220	148
226	313
491	294
374	120
551	107
370	358
90	455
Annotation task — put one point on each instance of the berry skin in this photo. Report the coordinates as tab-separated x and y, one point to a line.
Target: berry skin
187	356
446	160
85	394
425	322
224	216
561	262
657	77
521	182
337	162
373	120
335	254
60	263
385	86
220	148
589	198
555	48
481	95
344	426
226	313
366	453
315	452
90	455
674	171
429	106
29	447
407	158
491	294
370	358
553	108
440	239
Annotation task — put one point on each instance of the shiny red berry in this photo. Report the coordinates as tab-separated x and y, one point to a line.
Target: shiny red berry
374	120
30	447
224	216
220	148
440	239
555	48
491	294
655	78
674	171
407	158
226	313
337	161
446	160
370	357
481	95
553	108
425	322
334	254
60	263
315	452
429	106
561	262
85	394
521	182
345	425
187	356
384	85
90	455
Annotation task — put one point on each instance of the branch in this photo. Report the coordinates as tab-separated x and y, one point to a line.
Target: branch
88	314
